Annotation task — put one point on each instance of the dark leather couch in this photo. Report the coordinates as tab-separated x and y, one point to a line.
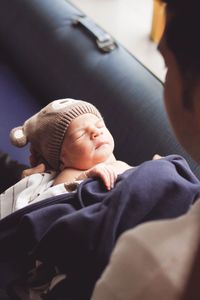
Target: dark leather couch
44	56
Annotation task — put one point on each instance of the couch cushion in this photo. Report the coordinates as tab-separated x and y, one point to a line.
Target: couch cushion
17	104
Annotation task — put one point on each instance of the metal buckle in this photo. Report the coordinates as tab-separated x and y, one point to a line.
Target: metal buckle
103	40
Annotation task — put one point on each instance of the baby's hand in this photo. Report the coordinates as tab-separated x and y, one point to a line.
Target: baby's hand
38	169
156	156
106	172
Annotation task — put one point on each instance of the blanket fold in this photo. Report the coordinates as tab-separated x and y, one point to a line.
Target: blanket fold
78	239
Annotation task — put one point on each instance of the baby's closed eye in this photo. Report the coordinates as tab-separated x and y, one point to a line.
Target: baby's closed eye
78	135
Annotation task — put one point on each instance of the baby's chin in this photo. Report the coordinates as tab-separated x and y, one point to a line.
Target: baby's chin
105	157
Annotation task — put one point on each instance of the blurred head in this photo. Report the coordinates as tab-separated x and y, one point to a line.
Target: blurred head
182	38
180	47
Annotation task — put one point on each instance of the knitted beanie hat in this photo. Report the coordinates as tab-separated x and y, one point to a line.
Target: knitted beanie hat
46	129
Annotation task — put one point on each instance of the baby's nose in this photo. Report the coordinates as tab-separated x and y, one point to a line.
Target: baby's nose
95	132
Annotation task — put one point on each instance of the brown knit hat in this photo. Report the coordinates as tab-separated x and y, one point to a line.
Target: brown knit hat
46	129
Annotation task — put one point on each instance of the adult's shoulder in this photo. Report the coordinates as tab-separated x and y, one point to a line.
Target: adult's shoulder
151	261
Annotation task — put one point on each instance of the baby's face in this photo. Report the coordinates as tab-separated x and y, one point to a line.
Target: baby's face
86	143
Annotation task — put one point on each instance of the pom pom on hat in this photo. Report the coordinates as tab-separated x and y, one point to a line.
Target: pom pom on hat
18	137
46	130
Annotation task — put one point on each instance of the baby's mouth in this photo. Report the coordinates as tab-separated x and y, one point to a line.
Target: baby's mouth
100	144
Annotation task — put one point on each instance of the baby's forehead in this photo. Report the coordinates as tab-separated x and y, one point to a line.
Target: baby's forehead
83	121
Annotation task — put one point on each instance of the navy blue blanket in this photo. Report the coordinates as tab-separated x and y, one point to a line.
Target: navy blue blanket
77	232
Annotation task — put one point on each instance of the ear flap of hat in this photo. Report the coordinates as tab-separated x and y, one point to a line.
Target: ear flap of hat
18	137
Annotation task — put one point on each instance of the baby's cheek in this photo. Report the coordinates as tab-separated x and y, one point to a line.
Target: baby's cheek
83	150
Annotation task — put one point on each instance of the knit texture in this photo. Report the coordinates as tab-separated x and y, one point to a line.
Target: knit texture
46	130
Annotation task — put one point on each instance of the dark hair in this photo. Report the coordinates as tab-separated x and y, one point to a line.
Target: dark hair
182	35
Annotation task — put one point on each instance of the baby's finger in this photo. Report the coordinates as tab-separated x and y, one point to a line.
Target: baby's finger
105	176
38	169
157	156
113	177
110	177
